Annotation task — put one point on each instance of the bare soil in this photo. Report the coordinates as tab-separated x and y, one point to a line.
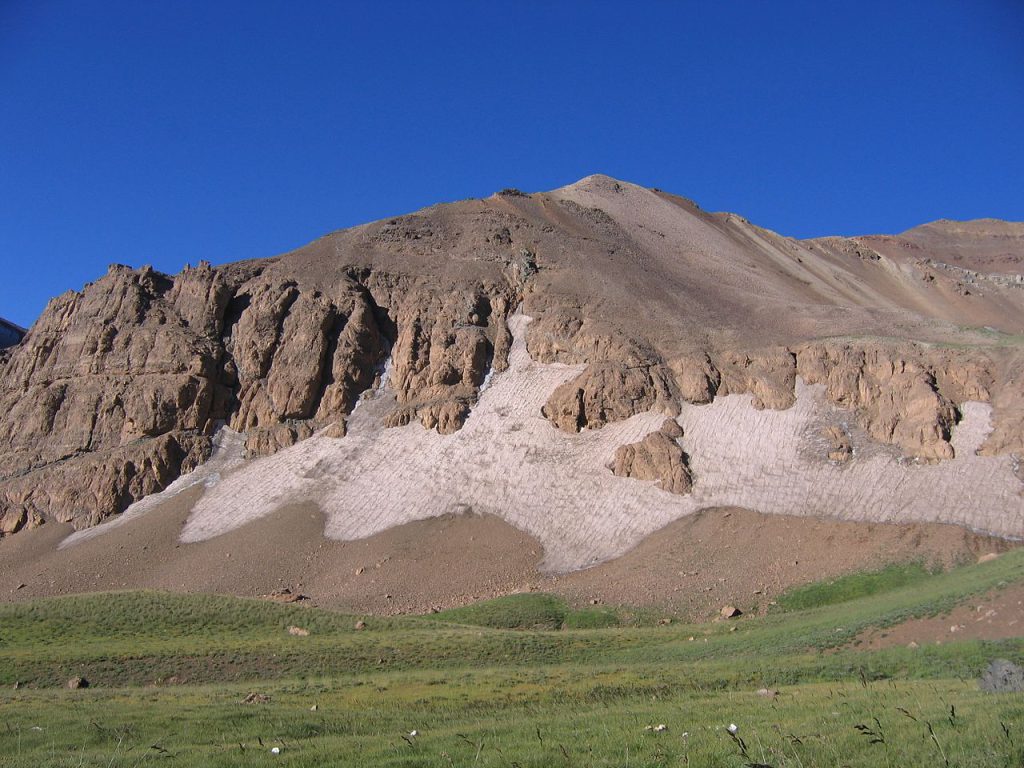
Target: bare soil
997	615
688	569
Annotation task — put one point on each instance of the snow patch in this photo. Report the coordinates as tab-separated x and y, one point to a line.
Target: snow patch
510	462
228	453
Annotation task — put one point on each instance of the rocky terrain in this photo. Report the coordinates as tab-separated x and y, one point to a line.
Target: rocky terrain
10	334
654	341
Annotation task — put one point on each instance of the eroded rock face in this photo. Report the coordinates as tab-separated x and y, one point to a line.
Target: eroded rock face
90	487
607	392
896	394
10	334
445	347
118	389
903	395
111	396
657	457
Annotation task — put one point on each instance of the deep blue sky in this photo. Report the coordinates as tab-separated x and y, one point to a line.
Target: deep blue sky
166	132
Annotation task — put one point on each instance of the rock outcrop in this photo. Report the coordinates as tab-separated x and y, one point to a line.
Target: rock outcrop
657	457
607	392
840	448
10	334
118	389
905	395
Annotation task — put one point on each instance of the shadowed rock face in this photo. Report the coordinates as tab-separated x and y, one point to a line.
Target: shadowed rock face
10	334
118	389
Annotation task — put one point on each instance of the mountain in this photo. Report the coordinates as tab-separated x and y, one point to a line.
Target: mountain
10	334
589	365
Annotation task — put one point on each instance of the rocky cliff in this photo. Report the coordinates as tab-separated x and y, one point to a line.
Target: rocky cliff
118	389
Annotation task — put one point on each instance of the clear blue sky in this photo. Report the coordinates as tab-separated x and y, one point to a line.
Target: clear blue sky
168	131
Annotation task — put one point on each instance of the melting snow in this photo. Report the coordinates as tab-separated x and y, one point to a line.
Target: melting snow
508	461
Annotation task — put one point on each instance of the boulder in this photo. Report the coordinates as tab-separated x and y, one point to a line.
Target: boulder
657	457
1002	676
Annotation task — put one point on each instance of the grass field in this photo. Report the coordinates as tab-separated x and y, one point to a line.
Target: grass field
519	681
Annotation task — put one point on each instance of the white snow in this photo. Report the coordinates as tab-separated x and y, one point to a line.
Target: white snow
510	462
228	453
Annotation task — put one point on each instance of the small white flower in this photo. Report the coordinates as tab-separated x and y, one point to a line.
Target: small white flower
733	728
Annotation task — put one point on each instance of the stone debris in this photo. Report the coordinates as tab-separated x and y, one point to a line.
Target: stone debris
285	595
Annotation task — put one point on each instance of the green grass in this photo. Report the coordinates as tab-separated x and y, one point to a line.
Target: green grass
524	611
853	586
523	680
526	718
533	611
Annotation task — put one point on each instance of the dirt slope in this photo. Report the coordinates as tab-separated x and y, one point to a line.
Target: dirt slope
690	568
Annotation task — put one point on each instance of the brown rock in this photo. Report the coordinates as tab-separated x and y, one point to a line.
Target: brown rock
657	457
608	392
265	441
895	396
840	449
335	430
730	612
285	596
671	429
696	378
118	389
768	375
77	682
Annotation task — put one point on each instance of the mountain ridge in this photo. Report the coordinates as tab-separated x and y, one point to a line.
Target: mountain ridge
118	389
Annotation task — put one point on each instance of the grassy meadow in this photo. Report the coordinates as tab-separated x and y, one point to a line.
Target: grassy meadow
519	681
